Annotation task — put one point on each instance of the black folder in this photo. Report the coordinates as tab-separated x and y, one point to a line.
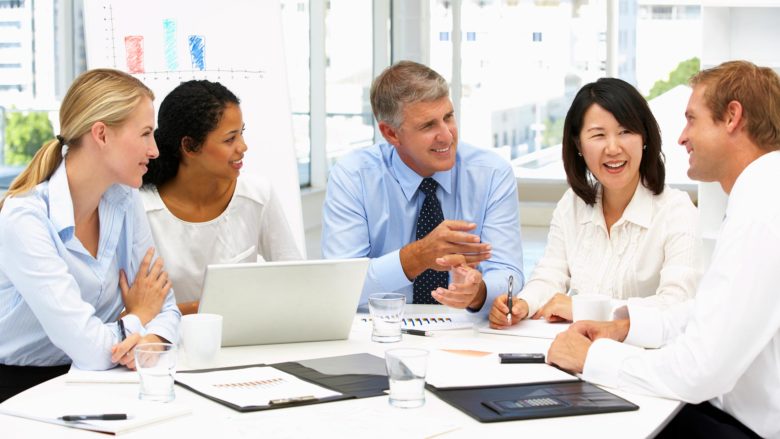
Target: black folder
532	401
354	376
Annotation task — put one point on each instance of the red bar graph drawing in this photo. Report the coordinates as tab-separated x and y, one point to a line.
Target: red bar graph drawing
134	47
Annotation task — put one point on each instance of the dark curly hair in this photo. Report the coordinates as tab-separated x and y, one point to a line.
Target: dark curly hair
192	110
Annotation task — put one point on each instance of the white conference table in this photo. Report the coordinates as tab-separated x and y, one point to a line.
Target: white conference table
369	417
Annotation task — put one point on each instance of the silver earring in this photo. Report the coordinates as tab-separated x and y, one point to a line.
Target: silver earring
644	146
579	154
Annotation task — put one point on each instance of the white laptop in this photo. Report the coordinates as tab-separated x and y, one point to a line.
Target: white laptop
284	302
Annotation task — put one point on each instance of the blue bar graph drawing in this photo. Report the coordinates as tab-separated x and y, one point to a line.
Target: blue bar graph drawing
169	44
197	49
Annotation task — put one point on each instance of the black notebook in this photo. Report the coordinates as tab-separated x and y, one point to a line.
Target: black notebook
257	387
532	401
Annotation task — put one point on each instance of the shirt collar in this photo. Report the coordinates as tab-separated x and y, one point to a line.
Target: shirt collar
639	210
61	202
766	163
118	195
410	180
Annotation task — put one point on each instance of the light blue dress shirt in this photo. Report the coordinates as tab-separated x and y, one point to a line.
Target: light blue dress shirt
372	204
58	304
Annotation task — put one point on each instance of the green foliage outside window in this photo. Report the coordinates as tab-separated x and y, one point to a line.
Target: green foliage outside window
553	132
25	132
680	75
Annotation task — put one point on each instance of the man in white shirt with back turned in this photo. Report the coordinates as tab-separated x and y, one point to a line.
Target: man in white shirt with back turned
719	352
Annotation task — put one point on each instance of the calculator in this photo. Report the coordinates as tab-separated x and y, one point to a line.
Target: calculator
510	405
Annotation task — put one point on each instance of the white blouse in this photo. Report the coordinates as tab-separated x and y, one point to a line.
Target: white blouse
653	250
253	224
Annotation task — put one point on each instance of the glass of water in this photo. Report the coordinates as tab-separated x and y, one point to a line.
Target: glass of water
156	366
406	369
387	310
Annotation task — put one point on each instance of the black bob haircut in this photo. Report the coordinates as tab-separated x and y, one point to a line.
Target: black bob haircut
630	109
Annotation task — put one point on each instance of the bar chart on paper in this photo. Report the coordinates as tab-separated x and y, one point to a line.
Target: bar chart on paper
135	53
174	40
252	386
235	43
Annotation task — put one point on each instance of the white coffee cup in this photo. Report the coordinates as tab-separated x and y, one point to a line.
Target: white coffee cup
201	336
591	307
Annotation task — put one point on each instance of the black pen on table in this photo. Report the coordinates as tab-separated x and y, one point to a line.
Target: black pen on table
509	298
419	332
103	417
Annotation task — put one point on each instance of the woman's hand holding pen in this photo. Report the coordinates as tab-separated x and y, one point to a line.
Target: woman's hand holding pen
498	314
145	298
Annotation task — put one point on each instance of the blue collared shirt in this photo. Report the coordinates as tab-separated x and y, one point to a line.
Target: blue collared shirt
58	304
372	204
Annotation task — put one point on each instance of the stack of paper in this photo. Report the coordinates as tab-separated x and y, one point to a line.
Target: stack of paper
117	375
83	401
529	328
452	368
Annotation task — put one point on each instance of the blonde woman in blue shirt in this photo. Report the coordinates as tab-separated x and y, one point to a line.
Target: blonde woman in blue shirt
75	247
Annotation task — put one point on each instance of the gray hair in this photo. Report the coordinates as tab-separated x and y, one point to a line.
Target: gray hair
404	82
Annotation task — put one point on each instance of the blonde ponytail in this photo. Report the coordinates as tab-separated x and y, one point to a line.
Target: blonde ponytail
99	95
40	168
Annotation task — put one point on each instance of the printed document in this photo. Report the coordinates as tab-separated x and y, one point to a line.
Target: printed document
254	386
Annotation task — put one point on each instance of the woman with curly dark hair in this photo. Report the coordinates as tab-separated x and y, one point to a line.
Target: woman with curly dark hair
202	210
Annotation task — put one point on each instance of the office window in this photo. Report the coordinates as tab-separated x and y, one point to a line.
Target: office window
295	27
33	64
349	52
667	53
346	65
527	60
520	74
440	54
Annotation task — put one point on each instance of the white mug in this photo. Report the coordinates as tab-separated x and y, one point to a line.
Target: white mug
591	307
201	337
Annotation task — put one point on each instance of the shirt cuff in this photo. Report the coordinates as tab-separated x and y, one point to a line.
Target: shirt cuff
495	285
646	325
534	304
605	360
388	272
133	325
162	332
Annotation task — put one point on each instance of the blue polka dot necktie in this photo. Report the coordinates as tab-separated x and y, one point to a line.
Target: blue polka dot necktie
430	216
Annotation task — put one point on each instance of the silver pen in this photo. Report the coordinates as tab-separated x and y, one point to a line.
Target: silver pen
509	298
101	417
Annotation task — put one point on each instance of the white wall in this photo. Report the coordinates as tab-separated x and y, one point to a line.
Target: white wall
734	30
